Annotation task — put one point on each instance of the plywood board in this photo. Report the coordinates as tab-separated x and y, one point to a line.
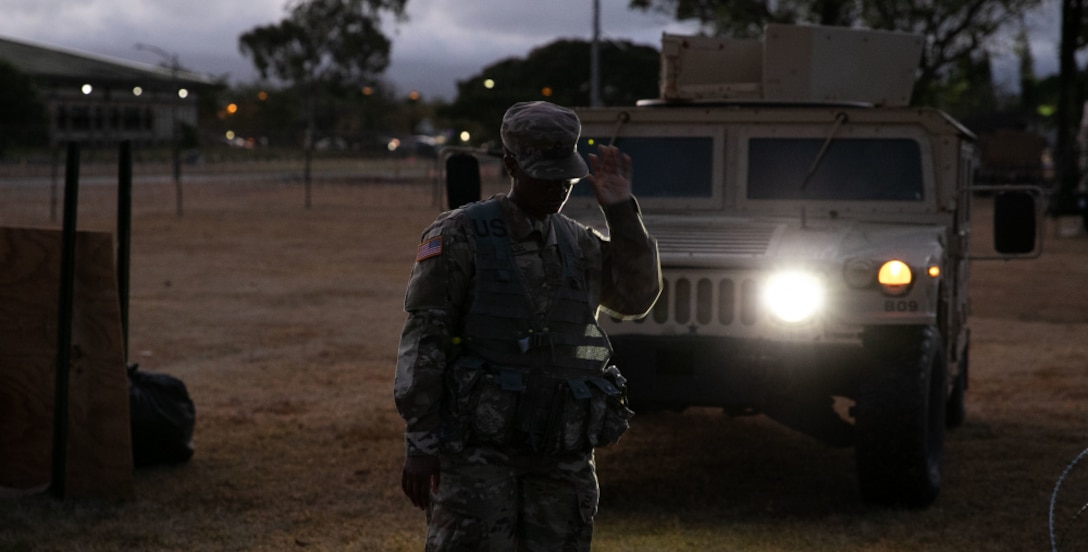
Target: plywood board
99	446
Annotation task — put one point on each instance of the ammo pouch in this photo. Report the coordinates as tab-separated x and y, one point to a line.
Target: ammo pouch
528	413
591	411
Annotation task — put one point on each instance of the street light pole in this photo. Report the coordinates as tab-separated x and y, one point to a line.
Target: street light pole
595	58
175	145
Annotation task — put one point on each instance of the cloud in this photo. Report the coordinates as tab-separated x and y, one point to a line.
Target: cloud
494	30
454	39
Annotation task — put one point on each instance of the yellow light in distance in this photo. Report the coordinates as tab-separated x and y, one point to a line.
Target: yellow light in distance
933	271
894	273
232	108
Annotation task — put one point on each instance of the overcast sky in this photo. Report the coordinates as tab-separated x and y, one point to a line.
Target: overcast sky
442	41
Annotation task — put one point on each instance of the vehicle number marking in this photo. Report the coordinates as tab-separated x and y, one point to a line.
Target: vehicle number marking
892	305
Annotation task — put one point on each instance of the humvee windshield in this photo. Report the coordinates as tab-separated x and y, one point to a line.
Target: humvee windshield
662	167
851	169
854	169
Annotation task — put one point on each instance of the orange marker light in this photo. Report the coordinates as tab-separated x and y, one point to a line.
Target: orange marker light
894	273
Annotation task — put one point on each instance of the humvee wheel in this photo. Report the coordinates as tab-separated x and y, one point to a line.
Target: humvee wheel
900	417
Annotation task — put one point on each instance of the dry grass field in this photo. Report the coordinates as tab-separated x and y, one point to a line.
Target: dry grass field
283	322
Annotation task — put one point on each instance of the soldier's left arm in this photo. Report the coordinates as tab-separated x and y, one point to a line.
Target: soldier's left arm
631	269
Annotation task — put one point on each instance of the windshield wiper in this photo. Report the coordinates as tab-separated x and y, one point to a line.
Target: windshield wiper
621	120
840	119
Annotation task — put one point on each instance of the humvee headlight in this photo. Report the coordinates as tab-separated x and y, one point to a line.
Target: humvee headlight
894	276
793	296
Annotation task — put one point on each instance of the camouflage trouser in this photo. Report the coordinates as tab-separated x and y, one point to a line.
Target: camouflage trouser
518	505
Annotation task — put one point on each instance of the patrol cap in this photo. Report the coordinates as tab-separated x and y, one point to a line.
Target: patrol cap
542	137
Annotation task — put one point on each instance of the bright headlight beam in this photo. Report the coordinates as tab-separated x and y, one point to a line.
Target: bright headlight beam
793	296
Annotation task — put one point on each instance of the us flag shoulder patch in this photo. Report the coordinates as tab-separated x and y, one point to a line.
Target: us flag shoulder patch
429	248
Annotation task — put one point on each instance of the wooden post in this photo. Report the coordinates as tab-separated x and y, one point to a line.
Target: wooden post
64	323
124	234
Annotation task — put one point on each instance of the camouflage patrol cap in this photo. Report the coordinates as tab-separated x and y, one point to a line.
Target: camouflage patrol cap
542	137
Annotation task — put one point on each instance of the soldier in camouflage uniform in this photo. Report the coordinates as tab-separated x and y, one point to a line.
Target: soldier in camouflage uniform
503	376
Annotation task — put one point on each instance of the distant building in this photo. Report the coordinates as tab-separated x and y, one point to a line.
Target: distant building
98	100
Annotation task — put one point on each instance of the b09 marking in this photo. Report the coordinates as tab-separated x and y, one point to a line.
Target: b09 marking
892	305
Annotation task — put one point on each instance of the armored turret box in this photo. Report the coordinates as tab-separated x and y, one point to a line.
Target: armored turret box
793	64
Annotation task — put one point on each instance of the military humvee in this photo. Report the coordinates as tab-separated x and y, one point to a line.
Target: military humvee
814	232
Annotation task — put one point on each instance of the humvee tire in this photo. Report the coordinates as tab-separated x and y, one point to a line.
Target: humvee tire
900	417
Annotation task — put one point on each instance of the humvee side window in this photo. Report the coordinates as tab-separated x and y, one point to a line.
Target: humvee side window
663	167
852	169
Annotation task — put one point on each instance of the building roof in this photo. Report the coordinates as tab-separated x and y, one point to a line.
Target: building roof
54	64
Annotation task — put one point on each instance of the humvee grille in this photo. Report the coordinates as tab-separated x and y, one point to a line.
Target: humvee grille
712	238
710	303
705	301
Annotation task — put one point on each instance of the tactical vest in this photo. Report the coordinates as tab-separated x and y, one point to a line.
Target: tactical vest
502	326
527	382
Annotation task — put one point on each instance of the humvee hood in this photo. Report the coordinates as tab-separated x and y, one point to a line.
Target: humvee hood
712	242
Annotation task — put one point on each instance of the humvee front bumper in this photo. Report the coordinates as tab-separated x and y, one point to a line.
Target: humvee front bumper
740	374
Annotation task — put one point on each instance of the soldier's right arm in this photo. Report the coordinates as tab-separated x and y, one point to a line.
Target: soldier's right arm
438	292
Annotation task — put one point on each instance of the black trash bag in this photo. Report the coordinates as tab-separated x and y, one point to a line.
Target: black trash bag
163	417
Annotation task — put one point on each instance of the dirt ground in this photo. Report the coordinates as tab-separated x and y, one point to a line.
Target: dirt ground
283	322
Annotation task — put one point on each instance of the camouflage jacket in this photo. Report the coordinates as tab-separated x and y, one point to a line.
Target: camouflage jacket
623	275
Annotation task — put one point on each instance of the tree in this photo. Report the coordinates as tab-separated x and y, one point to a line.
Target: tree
322	45
1073	18
969	90
334	41
558	72
955	30
1028	95
24	120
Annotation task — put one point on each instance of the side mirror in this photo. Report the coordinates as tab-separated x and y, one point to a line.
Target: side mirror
1015	222
462	179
